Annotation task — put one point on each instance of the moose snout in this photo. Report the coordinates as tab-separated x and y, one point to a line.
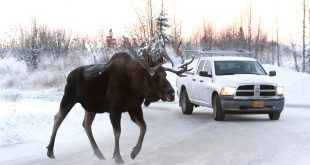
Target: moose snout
169	95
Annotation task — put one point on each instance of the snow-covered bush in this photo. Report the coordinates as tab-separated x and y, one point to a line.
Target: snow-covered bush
12	71
50	73
12	66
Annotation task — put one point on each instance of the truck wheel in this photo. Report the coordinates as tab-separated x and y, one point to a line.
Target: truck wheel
218	112
274	116
186	105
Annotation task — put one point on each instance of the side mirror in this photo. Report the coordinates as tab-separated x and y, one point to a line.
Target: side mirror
272	73
204	74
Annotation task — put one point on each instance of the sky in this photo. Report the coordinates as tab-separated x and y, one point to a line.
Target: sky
90	16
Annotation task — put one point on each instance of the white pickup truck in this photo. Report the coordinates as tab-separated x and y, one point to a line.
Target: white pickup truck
231	85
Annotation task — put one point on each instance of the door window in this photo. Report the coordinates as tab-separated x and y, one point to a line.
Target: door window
200	66
208	68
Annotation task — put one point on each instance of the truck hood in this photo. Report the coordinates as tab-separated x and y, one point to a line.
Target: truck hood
234	80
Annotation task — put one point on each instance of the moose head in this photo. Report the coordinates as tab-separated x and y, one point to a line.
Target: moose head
160	87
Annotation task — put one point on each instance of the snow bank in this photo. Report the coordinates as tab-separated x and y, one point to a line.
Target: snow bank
297	88
24	122
31	120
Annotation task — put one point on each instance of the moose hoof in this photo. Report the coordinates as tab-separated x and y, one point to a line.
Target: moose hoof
135	151
99	155
118	159
50	154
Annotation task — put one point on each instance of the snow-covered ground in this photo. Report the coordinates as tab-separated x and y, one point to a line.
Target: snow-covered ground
26	119
172	138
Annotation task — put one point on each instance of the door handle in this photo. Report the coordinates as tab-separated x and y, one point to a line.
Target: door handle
194	79
201	80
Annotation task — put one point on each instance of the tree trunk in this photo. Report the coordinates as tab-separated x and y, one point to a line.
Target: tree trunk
295	58
303	39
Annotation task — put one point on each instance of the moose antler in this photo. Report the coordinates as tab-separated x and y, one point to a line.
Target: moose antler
182	67
142	62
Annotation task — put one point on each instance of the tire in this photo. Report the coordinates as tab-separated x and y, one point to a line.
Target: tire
274	116
218	112
186	105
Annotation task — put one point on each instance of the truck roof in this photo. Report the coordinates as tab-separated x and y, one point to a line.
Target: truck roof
229	58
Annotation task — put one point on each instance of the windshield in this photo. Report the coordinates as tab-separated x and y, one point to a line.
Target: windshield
238	67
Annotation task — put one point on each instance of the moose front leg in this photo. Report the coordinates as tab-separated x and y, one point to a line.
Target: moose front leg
137	117
115	118
58	119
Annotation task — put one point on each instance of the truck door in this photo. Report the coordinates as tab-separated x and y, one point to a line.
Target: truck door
196	81
205	85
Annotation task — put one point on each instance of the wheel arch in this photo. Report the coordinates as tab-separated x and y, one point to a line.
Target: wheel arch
183	88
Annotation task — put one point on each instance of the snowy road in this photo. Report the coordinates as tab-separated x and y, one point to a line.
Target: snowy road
173	138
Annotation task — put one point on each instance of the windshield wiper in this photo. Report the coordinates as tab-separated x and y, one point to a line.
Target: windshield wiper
251	73
226	73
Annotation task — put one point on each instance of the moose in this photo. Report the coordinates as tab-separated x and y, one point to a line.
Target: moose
120	85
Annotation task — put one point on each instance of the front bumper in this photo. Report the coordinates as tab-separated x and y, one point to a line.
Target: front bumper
241	105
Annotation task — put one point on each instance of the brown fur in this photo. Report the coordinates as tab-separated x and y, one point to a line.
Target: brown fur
119	86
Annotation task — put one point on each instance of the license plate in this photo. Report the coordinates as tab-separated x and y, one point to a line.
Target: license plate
258	104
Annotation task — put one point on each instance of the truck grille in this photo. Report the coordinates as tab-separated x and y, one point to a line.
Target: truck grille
245	90
256	90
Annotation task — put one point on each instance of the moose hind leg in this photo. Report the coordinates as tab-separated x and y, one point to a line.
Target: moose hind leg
137	117
88	120
116	123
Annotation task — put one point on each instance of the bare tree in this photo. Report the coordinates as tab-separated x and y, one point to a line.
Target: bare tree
176	35
110	40
257	41
145	30
304	38
29	49
249	36
260	43
207	40
224	38
241	41
40	41
150	19
295	55
278	45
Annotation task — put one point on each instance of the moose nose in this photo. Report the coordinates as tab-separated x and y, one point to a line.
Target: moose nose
170	95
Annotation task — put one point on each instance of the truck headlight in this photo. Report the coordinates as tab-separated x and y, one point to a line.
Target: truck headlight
226	91
280	90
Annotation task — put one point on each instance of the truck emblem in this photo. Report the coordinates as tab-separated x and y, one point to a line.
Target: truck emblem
256	90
